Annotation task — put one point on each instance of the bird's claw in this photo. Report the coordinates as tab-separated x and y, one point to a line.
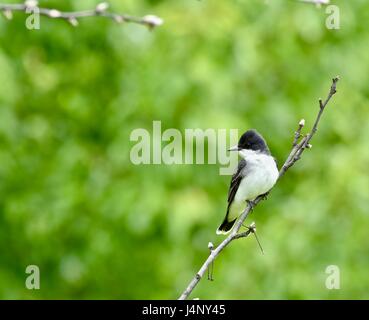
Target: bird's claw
252	204
264	196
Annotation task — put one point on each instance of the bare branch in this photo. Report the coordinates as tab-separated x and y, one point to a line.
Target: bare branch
293	157
214	253
101	10
298	132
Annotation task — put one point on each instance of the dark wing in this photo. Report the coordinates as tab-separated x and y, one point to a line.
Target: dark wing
235	182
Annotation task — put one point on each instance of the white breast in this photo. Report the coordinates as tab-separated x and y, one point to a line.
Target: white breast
261	173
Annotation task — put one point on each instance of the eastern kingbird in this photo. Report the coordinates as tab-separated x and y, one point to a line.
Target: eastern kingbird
256	174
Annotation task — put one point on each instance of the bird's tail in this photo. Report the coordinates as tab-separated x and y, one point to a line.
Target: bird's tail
226	226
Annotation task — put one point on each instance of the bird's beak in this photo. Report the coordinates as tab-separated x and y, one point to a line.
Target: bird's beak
234	148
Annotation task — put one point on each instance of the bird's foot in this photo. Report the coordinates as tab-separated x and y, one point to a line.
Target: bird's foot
264	196
251	204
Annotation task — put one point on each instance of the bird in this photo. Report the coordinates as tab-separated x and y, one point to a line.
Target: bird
256	174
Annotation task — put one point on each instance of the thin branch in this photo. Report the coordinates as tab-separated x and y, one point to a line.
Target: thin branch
214	253
298	132
297	149
101	10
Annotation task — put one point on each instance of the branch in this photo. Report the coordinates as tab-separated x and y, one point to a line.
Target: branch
297	150
31	6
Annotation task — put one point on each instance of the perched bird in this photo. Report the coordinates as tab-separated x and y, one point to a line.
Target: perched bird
256	174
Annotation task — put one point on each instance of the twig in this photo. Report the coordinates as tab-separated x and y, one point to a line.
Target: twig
101	10
295	154
211	269
214	253
252	228
298	132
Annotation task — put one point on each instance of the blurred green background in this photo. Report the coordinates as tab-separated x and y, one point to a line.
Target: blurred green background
100	227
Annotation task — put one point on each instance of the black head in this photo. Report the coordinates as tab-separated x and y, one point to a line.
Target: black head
252	140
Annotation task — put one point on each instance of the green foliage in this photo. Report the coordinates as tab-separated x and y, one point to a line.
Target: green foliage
98	226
